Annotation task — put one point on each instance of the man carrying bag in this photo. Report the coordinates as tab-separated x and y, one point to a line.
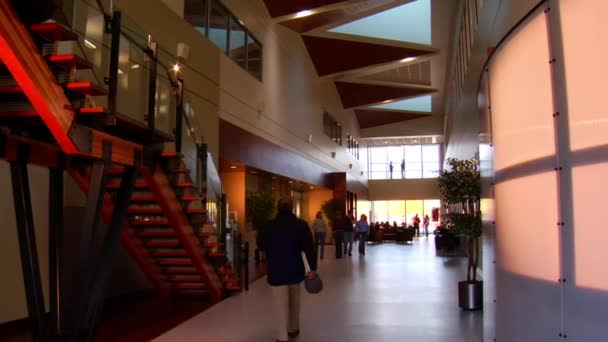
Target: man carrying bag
285	240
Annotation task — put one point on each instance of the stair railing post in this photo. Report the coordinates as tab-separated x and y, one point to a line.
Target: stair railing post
56	224
151	57
113	28
27	243
179	115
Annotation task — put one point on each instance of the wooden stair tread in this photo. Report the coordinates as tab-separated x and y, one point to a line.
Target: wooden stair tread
161	243
189	198
183	185
175	253
70	60
115	186
86	88
25	113
145	211
216	254
93	111
175	262
181	270
53	32
10	90
178	170
185	278
143	198
189	286
206	234
149	223
171	154
157	233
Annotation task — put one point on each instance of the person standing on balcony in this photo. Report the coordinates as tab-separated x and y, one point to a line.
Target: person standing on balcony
403	169
390	169
320	229
284	239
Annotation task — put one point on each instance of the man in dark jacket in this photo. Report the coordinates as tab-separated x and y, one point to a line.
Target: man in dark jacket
283	239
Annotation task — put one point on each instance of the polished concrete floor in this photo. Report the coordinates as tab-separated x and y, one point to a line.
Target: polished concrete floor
394	293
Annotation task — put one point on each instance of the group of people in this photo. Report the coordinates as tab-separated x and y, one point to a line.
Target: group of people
415	223
344	230
390	169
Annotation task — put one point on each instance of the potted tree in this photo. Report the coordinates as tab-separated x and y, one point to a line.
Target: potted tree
259	208
460	187
330	208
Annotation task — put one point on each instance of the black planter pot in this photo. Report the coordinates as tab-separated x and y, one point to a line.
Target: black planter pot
470	295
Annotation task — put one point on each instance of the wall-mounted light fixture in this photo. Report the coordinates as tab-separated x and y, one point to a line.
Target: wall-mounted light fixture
333	154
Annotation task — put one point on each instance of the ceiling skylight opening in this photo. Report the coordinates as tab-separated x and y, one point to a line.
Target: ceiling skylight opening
422	104
304	13
410	22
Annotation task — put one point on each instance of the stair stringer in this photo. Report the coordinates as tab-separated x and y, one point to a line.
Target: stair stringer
23	60
172	208
129	241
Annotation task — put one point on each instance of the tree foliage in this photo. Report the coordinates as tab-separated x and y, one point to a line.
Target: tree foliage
331	207
259	208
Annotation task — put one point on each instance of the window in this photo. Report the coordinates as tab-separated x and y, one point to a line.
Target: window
352	145
408	161
218	29
213	20
332	128
238	47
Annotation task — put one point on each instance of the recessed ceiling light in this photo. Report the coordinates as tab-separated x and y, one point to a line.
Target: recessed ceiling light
408	59
311	187
304	13
386	141
387	101
176	67
135	66
89	44
290	182
232	166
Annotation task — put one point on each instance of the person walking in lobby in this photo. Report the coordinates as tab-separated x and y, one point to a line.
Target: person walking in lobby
338	231
362	228
349	234
283	239
320	229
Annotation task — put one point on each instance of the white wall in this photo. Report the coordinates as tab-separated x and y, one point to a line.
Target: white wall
284	109
549	243
403	189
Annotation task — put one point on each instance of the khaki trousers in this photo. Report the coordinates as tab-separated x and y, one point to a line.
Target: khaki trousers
287	307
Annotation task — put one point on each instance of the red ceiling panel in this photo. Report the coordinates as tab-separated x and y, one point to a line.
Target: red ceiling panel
331	56
373	117
361	94
278	8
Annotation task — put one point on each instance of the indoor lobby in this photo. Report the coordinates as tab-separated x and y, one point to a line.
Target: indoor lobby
144	145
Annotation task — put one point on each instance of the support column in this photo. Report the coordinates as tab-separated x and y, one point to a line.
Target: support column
27	243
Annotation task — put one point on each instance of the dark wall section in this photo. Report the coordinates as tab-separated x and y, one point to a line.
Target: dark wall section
239	145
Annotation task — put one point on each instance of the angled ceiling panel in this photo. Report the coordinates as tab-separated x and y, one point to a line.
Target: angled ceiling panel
331	56
374	117
360	94
278	8
308	23
416	73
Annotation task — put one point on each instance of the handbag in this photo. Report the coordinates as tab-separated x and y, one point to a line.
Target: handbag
312	285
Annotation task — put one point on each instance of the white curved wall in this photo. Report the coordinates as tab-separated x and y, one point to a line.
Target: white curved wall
549	232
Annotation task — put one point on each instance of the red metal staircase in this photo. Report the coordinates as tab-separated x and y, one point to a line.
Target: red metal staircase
146	197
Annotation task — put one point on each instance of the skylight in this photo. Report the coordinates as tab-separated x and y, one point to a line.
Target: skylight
407	23
417	104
